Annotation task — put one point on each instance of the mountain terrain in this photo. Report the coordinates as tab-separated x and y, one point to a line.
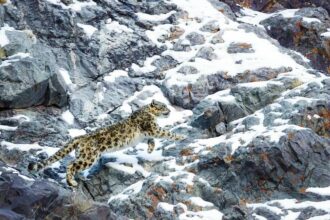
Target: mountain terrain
247	83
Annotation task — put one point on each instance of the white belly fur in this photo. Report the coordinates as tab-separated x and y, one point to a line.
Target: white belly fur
133	142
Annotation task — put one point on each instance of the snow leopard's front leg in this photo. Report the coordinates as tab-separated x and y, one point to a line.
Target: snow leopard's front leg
151	145
158	132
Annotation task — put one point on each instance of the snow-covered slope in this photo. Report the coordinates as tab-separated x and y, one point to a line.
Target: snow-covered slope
256	114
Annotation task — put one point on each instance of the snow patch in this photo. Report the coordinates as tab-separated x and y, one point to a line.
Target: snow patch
111	77
310	20
122	158
3	37
258	217
27	147
131	190
88	29
165	206
202	215
76	132
147	67
291	216
159	17
323	191
9	169
7	128
19	117
65	76
160	30
325	34
75	6
68	117
116	27
200	202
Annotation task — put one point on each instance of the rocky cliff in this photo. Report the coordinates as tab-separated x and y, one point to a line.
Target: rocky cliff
247	84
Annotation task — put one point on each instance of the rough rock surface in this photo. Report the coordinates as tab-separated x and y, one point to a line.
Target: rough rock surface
303	33
248	89
25	198
270	6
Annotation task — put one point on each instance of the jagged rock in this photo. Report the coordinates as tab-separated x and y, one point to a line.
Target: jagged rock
216	39
316	117
67	2
182	45
164	63
221	128
261	74
20	42
26	198
240	48
255	98
107	97
95	56
269	6
210	118
190	95
42	125
303	34
264	212
101	187
206	53
273	167
38	85
159	65
187	70
224	8
176	32
211	26
118	52
195	38
56	94
210	114
311	212
20	89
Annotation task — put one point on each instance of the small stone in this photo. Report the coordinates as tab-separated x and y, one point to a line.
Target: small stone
217	38
187	70
179	209
164	63
206	53
240	48
195	39
176	32
67	2
221	128
182	45
211	27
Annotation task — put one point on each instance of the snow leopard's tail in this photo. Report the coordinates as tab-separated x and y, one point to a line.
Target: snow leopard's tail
36	166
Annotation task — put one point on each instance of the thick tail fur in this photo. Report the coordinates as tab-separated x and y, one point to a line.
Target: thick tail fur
36	166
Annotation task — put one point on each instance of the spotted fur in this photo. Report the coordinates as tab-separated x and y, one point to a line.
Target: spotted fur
138	126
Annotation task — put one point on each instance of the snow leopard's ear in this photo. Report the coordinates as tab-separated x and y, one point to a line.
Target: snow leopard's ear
153	102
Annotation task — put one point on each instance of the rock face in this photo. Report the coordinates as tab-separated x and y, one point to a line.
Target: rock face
269	5
249	90
28	74
25	198
304	34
